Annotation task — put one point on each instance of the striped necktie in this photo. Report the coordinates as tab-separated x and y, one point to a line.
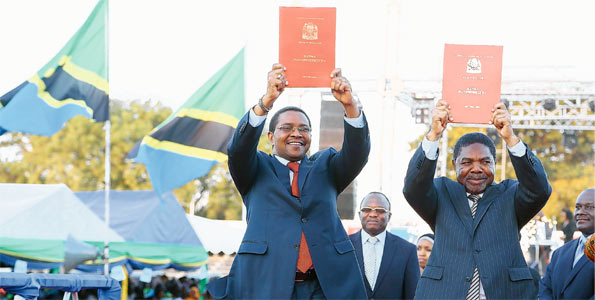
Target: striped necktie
473	293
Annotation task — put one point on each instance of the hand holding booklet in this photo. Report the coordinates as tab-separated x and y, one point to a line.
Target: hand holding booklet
472	75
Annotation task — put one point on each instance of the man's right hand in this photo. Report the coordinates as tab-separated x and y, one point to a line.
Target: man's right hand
276	83
440	118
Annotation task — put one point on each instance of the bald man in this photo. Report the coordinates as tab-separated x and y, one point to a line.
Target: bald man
570	273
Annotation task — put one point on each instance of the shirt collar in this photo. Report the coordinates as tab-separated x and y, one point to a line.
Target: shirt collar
583	239
283	160
480	195
381	237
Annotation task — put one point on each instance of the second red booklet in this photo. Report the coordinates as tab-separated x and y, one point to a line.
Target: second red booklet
307	45
471	80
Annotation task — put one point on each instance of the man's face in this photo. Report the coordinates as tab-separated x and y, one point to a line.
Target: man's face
288	141
584	212
475	168
373	221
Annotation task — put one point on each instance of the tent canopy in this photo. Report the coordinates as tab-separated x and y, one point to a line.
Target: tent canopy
144	231
211	232
37	219
156	229
139	216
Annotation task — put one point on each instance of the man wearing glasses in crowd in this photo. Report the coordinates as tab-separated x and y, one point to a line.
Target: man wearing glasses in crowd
388	262
295	246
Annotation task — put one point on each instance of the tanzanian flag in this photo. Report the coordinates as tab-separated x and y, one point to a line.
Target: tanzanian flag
74	82
195	137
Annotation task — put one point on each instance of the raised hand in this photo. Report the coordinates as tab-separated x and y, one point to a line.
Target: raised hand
276	83
502	121
440	118
341	89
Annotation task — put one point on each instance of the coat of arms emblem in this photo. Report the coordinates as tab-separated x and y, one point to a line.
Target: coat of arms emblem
474	66
310	31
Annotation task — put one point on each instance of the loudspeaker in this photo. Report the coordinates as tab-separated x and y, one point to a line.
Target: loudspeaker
77	252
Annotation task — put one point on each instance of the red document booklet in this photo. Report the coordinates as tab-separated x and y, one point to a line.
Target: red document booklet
471	80
307	45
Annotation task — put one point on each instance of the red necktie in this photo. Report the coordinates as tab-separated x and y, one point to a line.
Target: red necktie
304	260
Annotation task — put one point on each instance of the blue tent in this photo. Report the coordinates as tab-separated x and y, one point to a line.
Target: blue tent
144	220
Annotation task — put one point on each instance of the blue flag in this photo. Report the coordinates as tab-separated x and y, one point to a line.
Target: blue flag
194	138
74	82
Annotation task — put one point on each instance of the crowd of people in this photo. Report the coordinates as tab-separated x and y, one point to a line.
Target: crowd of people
295	247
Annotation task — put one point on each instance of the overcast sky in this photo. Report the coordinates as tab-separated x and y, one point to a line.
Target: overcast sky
164	50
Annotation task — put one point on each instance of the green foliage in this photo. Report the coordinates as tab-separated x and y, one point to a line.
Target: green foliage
569	171
75	155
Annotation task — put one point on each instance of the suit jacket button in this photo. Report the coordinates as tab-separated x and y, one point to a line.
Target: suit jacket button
304	220
467	278
298	199
477	250
296	246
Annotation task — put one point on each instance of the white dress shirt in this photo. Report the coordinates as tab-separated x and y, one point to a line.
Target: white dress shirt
580	249
379	249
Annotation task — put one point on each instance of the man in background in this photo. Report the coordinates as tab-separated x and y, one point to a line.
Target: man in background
388	261
570	274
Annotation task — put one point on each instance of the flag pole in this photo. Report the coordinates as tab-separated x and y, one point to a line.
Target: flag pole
107	128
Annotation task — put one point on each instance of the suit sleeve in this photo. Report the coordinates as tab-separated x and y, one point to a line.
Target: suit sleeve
352	158
534	189
419	189
411	274
545	284
242	154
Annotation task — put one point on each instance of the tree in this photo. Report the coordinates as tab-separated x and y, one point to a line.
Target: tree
75	155
569	171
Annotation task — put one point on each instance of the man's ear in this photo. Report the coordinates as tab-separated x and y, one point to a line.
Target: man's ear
270	136
454	165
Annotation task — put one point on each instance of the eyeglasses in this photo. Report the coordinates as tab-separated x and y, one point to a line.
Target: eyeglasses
585	207
379	210
289	129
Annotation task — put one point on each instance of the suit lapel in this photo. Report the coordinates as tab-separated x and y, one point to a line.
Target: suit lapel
458	197
305	168
359	253
579	265
282	172
486	201
564	266
387	257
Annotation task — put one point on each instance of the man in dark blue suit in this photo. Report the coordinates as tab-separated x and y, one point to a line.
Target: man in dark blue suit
476	254
388	262
570	273
295	245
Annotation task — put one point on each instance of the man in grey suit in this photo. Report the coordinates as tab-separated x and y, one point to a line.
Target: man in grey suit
476	253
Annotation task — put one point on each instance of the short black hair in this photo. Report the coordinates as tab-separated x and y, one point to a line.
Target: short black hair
275	117
474	138
378	194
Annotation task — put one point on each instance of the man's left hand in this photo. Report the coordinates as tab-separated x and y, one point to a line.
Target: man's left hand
341	89
502	121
